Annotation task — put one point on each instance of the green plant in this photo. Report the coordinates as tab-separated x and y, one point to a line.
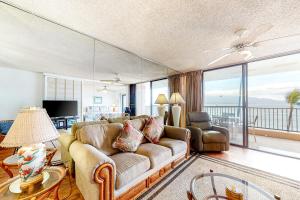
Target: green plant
292	99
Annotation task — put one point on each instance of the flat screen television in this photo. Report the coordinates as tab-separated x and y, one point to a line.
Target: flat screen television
57	108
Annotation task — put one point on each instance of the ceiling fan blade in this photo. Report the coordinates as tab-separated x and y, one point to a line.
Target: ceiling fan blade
107	81
220	58
213	50
261	29
255	44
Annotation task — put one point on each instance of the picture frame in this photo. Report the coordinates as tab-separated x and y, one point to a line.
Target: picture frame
97	100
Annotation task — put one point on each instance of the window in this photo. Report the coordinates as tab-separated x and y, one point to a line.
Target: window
143	93
223	91
269	83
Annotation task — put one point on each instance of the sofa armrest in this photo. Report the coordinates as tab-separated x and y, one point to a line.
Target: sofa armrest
97	167
224	131
196	138
88	158
178	133
66	140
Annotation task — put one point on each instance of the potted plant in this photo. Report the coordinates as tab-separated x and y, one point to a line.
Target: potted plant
292	99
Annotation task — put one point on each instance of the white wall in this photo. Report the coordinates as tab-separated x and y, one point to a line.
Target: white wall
19	89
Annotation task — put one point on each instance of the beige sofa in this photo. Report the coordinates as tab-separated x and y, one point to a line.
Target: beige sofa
103	172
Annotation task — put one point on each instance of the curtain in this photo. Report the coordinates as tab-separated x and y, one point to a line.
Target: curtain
189	85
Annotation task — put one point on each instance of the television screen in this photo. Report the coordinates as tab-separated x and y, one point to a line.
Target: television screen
60	108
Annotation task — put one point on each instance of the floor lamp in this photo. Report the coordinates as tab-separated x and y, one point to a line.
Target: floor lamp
176	99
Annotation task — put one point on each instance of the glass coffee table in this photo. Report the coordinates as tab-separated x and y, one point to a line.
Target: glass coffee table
212	186
42	192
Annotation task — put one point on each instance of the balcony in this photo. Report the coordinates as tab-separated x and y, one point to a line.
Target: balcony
267	127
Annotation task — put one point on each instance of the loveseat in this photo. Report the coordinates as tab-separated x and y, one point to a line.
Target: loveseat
103	172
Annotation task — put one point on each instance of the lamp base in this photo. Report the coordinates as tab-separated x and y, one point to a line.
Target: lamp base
31	161
161	110
32	183
176	109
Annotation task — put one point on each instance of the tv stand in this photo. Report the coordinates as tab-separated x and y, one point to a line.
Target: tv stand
64	122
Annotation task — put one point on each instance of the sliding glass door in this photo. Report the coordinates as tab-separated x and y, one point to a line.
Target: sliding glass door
223	100
274	123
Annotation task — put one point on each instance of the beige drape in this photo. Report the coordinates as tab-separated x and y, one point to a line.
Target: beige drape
189	85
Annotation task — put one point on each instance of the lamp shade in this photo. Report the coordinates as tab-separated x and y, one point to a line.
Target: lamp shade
161	99
32	126
176	98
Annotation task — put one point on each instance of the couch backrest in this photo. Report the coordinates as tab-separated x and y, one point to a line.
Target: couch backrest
199	119
100	136
77	126
118	119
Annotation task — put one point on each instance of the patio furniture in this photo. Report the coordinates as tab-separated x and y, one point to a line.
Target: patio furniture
253	124
213	186
204	135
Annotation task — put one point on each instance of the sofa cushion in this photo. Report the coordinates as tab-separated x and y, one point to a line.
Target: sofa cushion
129	166
129	138
211	136
77	126
177	146
100	136
153	129
156	153
138	124
139	117
202	125
118	119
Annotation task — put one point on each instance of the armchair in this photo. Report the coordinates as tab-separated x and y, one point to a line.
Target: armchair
204	135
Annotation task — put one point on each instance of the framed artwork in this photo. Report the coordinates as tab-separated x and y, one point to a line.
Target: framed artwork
97	100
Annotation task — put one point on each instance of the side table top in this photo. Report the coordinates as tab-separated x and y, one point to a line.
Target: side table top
56	176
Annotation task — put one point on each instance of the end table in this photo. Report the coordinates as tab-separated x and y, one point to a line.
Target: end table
51	185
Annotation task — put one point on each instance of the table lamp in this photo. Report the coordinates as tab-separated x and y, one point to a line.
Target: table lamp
31	128
176	99
161	100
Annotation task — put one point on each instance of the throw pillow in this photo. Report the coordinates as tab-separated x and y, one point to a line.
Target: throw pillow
153	129
129	138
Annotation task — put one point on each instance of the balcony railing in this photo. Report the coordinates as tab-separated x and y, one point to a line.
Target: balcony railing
266	118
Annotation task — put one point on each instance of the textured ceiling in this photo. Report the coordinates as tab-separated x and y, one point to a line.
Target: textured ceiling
176	33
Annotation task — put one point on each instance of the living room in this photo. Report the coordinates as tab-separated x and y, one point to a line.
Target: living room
150	100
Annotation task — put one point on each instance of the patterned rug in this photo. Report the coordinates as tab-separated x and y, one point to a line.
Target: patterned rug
177	183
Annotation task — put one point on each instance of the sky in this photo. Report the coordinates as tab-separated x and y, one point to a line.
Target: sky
273	81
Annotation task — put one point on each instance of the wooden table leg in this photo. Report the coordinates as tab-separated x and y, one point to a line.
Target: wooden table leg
6	169
189	195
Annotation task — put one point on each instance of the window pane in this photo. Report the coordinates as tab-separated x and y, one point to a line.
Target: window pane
269	82
223	100
143	99
159	87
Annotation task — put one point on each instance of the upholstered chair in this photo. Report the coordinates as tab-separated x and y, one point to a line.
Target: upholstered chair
204	135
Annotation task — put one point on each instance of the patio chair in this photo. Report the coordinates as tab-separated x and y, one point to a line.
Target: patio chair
253	124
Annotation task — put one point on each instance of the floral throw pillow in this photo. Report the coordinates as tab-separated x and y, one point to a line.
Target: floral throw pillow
129	138
153	130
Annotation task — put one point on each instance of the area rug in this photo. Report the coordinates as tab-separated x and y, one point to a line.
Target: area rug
177	183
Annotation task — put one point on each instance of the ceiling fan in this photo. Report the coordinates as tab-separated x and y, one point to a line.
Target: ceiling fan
103	90
115	81
246	41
